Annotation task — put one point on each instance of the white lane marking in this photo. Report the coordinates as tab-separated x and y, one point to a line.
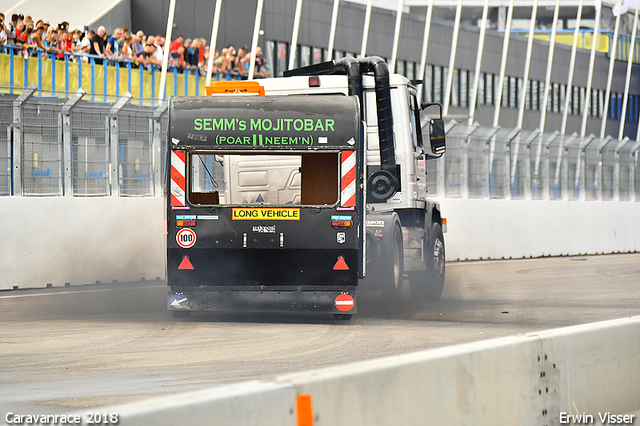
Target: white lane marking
72	292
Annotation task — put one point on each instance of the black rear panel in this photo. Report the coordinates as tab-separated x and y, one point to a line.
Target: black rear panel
252	267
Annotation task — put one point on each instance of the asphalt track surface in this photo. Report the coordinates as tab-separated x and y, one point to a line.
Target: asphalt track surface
81	347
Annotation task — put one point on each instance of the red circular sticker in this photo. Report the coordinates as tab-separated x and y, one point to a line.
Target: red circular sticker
186	238
344	302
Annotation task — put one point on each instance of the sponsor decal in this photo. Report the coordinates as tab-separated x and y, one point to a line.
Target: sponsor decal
264	229
341	237
263	214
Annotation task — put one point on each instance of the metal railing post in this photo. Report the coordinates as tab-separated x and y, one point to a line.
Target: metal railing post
114	140
465	161
515	133
527	164
487	158
546	160
16	127
67	142
600	171
156	146
581	168
634	172
617	170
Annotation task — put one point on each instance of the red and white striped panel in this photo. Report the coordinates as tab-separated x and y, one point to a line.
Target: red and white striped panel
348	184
178	170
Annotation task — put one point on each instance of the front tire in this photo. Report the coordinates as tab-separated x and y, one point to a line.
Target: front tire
428	285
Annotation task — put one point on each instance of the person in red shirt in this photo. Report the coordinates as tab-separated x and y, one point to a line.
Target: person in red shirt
176	43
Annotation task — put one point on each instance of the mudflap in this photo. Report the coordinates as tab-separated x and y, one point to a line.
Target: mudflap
274	300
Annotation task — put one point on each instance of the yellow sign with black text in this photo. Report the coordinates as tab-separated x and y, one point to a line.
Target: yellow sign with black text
265	214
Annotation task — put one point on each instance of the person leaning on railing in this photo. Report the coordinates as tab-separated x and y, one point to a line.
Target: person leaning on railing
3	34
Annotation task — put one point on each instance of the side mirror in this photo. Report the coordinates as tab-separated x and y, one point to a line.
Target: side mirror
437	132
437	136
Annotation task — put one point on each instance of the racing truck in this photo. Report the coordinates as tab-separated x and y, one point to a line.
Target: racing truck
290	194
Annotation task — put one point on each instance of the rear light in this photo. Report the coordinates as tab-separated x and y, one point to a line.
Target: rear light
183	220
341	221
183	223
314	81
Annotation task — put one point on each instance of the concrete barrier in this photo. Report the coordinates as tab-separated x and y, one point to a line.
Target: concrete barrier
80	240
533	379
58	240
496	229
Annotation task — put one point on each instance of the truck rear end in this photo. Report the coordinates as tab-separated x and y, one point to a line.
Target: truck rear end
265	204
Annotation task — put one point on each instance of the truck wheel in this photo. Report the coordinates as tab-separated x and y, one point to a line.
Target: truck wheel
392	274
428	285
181	314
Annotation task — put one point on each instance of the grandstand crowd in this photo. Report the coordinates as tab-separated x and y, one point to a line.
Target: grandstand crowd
25	37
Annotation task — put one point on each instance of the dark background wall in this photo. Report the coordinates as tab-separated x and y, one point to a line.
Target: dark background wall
193	18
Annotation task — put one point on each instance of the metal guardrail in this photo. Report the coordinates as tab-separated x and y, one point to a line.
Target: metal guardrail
103	79
513	164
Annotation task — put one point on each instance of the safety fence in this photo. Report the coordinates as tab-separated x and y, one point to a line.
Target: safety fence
514	164
74	147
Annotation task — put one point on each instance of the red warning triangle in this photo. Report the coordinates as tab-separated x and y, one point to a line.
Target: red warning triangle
340	265
185	264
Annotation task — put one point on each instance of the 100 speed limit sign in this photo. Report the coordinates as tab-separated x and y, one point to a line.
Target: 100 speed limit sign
186	238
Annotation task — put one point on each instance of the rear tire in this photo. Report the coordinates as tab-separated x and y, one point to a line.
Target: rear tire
392	274
428	285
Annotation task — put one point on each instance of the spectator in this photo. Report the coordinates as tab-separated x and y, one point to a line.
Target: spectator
159	43
192	55
26	40
86	42
38	42
146	55
126	53
138	42
177	43
76	42
11	35
64	44
97	44
111	48
242	62
261	69
3	34
177	59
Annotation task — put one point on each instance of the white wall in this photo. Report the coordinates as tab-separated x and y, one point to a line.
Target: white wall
81	240
482	228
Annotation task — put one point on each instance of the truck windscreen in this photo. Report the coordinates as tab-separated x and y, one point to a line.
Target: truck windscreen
224	178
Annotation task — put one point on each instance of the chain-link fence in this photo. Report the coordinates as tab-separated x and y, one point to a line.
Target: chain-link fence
6	103
90	149
56	147
80	148
513	164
